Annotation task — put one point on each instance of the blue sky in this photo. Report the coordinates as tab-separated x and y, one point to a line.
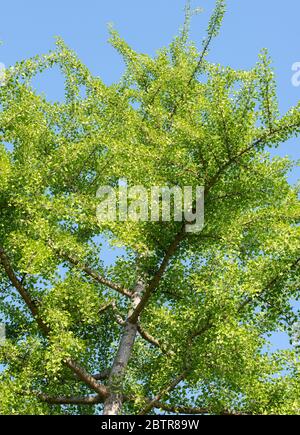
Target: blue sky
29	27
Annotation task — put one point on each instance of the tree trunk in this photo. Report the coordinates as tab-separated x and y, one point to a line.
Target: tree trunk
113	404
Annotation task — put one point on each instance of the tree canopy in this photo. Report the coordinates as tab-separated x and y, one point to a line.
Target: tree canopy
180	322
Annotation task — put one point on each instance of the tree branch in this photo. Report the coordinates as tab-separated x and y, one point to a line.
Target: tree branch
148	337
158	275
152	403
102	376
112	306
93	273
155	403
63	400
119	319
196	69
192	411
18	285
114	402
235	159
94	400
81	373
86	378
274	281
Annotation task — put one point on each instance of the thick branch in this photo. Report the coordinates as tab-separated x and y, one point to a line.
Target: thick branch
146	336
102	376
114	401
119	319
94	400
155	403
82	374
88	379
159	274
62	400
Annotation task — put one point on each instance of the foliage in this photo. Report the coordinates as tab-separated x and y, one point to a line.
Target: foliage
175	119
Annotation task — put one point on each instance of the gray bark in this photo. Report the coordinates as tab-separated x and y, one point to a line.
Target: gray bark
114	402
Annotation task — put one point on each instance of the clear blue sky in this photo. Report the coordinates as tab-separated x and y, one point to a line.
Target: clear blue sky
28	28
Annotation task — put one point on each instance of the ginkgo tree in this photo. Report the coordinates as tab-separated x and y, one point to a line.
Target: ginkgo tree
179	323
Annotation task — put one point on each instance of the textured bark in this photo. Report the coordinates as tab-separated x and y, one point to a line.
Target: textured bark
113	403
